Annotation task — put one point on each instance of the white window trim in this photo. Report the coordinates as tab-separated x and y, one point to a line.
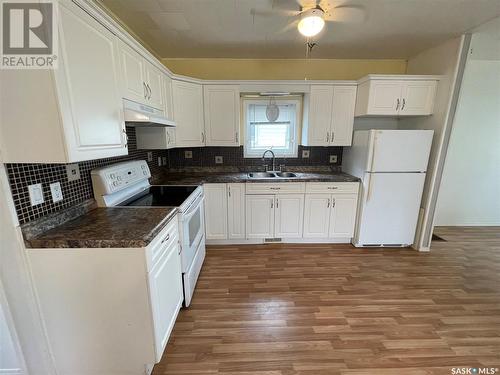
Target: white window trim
295	140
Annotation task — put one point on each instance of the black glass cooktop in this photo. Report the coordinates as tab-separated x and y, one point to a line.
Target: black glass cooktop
161	196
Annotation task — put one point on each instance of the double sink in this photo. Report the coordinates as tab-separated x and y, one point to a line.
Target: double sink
272	175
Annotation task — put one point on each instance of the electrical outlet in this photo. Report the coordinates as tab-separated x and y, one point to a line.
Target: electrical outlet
333	159
188	154
36	194
305	154
150	156
159	161
219	160
164	160
72	172
56	191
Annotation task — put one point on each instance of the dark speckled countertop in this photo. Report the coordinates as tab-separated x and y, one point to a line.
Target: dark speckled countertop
106	228
201	178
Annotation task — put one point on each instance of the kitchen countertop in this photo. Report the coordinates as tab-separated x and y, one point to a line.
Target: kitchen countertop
235	177
106	228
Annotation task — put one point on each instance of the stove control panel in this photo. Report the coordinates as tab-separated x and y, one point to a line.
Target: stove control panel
116	177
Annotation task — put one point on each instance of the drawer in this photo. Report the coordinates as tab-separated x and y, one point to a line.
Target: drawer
332	187
165	239
277	188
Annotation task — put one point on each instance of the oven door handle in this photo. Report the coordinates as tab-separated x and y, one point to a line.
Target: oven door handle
192	208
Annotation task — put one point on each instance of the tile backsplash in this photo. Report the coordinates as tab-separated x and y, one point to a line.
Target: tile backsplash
75	192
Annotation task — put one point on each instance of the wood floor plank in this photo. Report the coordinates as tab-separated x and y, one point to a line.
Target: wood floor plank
334	309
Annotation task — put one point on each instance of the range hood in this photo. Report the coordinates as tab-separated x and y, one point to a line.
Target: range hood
142	115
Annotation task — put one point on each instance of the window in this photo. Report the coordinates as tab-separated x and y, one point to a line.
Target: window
261	134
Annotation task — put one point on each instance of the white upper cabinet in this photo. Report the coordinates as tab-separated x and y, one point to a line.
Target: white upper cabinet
141	81
396	95
72	113
329	115
222	114
188	114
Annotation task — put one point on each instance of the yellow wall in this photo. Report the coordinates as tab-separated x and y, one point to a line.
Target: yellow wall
219	68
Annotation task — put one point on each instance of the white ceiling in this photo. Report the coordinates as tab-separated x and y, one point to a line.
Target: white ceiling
227	28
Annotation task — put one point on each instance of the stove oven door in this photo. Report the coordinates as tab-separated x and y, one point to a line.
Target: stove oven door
192	231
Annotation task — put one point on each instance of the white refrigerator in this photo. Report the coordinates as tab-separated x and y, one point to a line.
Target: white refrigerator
391	165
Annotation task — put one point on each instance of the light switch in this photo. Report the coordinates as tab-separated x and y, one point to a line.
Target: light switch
56	191
36	194
150	156
164	160
159	161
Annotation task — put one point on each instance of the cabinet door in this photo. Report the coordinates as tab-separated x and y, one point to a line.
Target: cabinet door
154	82
384	98
344	101
188	114
418	98
259	216
343	215
320	115
133	80
317	215
215	211
91	108
165	281
236	210
289	215
169	100
222	115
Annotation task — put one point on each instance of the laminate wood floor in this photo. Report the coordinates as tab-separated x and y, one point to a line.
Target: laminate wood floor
335	309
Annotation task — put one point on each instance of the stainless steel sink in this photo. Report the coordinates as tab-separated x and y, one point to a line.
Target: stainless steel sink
261	175
286	174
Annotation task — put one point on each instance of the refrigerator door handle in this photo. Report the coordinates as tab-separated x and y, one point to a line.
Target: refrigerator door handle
368	193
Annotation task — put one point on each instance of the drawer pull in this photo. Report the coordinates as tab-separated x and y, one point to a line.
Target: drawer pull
167	237
332	187
275	188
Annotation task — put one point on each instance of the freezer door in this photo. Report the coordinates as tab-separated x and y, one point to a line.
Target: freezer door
399	150
389	208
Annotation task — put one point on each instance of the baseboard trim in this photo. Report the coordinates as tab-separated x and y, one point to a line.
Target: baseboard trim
257	241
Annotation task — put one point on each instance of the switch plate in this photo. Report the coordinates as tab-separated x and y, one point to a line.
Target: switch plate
159	161
36	194
333	159
73	172
164	160
188	154
305	154
219	160
56	191
150	156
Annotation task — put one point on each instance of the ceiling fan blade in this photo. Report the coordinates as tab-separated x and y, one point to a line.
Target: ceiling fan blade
273	12
308	4
346	14
292	25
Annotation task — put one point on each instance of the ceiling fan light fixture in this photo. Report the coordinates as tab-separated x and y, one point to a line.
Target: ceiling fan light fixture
312	22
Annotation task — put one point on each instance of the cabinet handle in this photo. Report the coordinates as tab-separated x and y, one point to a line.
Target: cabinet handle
149	89
272	203
332	187
333	202
333	136
236	137
168	138
229	190
167	237
145	90
328	205
202	137
327	137
404	102
397	104
274	188
277	203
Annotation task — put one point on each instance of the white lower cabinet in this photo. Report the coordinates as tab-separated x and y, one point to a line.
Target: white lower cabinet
215	211
260	216
317	215
116	305
288	219
330	215
236	211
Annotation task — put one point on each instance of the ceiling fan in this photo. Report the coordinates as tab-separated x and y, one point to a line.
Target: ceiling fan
311	15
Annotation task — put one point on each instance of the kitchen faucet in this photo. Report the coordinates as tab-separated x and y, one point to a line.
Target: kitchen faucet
274	159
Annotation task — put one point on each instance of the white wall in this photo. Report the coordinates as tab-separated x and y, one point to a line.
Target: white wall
441	60
470	188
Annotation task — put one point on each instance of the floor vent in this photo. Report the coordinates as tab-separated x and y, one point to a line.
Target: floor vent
272	240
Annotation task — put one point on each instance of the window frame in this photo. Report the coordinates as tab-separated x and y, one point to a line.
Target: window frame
295	132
